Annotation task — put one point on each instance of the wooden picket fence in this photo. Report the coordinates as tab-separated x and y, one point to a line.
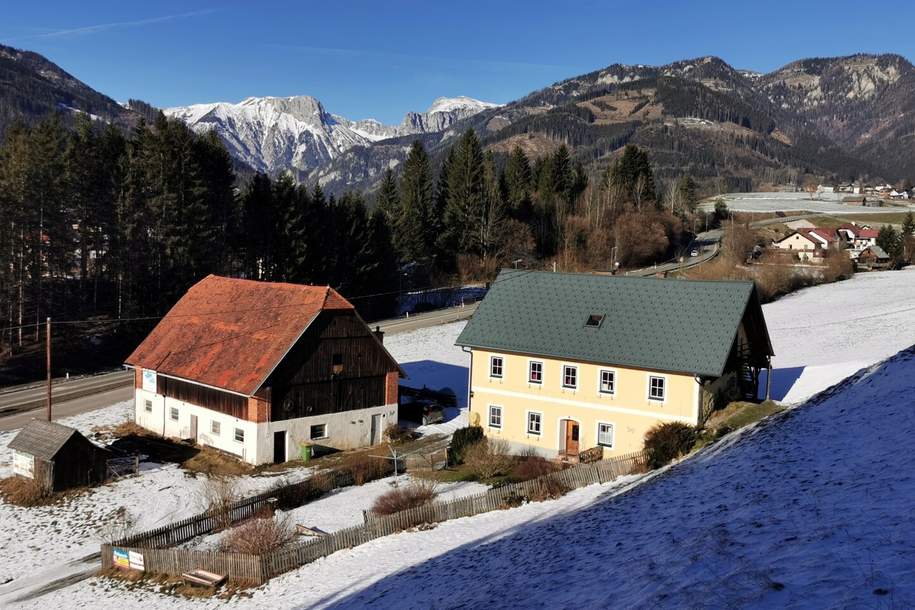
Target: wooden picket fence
253	569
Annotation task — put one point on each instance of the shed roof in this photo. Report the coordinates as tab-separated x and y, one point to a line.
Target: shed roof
649	323
230	333
42	438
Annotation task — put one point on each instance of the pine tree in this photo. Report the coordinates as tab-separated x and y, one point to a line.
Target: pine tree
908	225
464	208
388	199
413	237
518	179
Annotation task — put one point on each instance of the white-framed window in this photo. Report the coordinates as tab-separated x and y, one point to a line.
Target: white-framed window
173	413
147	404
569	376
239	435
605	434
317	431
215	427
495	367
534	421
657	387
607	381
495	416
535	372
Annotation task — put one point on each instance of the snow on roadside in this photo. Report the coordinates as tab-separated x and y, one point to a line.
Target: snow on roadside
825	333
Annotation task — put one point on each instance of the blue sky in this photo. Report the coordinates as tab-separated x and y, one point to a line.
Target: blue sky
381	59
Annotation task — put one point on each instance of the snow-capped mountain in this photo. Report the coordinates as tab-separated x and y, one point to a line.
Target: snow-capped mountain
276	134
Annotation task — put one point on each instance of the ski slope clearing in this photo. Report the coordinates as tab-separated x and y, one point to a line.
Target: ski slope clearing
823	334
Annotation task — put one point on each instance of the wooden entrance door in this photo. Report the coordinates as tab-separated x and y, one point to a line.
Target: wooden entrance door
571	437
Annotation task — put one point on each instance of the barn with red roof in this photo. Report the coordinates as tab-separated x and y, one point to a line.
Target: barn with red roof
258	369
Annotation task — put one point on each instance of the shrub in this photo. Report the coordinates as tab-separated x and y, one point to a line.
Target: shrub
295	495
395	434
488	458
261	534
533	466
24	492
667	441
548	488
365	467
417	493
461	440
217	495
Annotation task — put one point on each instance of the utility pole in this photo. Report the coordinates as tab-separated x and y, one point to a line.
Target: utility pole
48	354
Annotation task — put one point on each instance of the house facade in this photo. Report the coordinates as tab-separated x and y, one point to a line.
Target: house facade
258	369
563	363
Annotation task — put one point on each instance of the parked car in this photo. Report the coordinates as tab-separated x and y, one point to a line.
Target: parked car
424	406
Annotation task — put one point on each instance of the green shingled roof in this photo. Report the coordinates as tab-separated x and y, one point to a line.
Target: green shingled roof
656	324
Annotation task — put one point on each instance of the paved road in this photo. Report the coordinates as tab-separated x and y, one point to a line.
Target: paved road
80	395
709	245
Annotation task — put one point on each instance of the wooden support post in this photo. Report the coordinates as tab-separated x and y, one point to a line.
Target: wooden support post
48	355
769	382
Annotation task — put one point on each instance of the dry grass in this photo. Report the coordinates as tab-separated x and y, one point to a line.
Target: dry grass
217	463
25	492
412	495
123	429
395	434
488	458
366	466
258	535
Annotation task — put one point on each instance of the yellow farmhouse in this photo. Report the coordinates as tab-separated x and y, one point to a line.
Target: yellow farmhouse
565	362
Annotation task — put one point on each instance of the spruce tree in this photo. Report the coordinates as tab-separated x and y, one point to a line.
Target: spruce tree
413	237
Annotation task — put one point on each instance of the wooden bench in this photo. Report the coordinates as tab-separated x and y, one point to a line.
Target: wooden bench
203	578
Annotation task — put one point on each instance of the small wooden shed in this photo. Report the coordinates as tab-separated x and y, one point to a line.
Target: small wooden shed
58	457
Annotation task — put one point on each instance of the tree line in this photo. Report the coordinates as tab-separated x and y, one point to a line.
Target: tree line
96	222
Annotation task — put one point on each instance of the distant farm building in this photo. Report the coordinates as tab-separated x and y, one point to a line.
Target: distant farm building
258	369
57	457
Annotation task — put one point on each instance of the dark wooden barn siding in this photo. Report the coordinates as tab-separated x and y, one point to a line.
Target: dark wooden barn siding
305	383
77	463
224	402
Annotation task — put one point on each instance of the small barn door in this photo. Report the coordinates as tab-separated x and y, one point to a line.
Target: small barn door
194	428
376	429
279	447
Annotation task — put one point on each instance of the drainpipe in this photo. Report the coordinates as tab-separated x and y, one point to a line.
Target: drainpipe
469	378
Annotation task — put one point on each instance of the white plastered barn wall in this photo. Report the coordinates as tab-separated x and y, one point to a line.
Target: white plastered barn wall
345	430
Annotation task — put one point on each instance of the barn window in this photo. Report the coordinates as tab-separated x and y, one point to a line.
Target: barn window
318	431
337	363
215	427
239	435
594	320
174	413
148	405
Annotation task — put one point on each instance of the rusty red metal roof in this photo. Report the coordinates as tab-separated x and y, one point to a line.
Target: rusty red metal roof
231	333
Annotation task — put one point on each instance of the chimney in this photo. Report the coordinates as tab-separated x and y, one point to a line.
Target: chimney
379	334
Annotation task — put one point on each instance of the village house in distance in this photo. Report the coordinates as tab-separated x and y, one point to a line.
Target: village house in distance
258	369
562	363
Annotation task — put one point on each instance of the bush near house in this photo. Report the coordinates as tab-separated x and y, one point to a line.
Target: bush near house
488	458
461	440
668	441
260	534
365	467
532	466
24	492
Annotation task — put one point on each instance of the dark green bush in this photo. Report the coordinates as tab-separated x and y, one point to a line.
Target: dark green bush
462	439
667	441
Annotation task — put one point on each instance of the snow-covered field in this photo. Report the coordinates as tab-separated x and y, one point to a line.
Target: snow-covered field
829	203
823	334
